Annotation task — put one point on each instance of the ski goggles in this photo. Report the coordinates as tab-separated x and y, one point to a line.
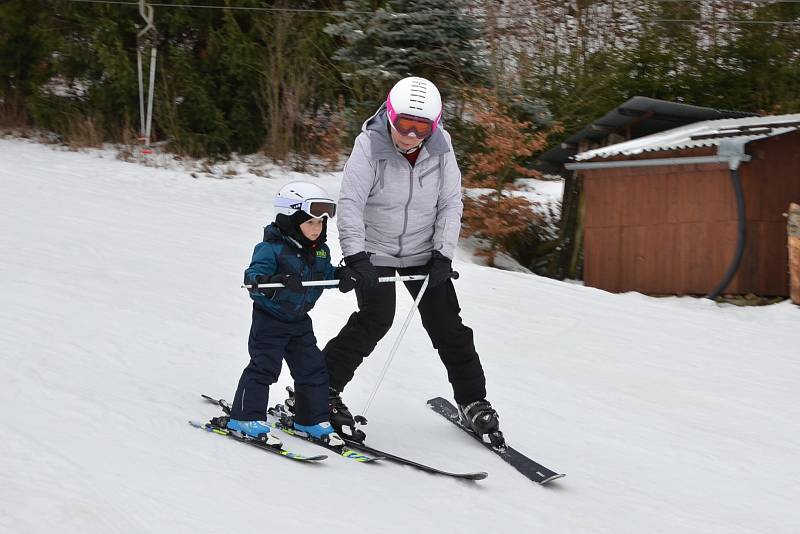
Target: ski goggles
316	207
410	125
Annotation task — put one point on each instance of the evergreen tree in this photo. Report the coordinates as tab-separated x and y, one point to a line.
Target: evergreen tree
24	51
434	39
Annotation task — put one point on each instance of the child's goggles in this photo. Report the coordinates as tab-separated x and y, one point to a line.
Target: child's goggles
316	207
410	125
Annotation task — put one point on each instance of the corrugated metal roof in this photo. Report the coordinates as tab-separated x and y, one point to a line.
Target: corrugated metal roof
700	134
637	117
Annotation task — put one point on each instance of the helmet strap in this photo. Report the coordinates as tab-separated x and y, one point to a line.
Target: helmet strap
408	150
402	150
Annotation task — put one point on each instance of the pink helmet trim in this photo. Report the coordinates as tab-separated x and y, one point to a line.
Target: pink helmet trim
390	111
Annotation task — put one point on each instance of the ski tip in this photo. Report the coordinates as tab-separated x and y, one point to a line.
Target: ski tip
480	475
551	478
359	457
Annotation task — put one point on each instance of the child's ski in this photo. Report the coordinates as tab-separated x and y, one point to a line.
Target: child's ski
215	427
286	427
283	421
534	471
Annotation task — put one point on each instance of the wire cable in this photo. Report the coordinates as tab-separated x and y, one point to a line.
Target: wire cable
340	12
232	8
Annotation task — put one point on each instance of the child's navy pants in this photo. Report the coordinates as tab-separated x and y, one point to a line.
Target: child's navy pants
271	342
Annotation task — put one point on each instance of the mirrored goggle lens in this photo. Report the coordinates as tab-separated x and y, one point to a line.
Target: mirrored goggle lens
321	209
406	125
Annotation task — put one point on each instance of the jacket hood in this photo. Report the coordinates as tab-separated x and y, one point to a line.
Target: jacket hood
376	128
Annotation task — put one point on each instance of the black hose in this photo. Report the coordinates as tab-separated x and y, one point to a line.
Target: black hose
740	240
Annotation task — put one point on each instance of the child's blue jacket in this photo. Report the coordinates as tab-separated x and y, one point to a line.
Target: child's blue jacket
279	254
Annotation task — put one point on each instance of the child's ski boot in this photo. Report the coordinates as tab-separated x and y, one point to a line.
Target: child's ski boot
259	430
321	431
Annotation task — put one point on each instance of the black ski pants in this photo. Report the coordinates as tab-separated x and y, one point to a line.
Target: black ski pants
439	311
271	341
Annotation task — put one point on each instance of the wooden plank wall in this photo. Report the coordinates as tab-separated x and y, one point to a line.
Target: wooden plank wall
771	181
658	230
673	229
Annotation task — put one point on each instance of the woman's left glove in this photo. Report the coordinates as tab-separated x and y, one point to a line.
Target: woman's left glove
440	268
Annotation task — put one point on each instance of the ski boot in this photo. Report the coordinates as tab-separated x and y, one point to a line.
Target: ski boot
344	424
259	430
321	431
342	420
481	418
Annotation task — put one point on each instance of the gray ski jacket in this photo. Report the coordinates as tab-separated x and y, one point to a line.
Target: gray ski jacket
397	213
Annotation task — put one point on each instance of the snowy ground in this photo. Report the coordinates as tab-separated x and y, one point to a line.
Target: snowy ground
121	304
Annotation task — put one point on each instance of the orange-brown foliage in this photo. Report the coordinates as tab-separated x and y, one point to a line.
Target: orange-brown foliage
324	133
496	215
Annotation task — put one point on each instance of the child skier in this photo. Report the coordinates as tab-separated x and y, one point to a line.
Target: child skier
293	251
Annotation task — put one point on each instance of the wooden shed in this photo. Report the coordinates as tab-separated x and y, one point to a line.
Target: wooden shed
637	117
693	210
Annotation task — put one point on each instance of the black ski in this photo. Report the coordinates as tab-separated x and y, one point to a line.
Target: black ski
216	427
533	470
281	423
479	475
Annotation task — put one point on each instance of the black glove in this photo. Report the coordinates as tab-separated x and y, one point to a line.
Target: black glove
365	273
440	269
347	279
290	281
260	279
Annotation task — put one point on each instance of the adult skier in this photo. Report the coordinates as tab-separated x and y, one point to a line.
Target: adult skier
400	212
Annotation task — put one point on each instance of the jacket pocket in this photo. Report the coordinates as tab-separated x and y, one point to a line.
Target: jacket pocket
380	170
426	173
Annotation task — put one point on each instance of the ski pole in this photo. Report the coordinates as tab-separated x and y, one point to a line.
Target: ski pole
332	283
362	418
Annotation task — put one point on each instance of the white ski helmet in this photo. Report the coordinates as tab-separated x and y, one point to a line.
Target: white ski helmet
306	197
415	97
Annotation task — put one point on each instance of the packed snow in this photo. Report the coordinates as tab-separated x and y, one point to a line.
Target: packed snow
121	304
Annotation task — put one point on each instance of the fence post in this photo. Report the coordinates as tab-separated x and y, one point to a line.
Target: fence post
793	231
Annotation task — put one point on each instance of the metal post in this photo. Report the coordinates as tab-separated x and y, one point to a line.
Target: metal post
141	90
150	95
145	117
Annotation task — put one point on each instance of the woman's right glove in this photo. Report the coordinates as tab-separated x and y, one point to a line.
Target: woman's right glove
347	279
362	272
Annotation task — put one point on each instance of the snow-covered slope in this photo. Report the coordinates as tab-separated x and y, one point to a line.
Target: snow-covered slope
120	304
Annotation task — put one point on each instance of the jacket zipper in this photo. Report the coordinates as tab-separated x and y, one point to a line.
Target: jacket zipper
405	210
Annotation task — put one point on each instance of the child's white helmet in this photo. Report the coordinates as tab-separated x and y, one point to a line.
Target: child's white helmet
306	197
